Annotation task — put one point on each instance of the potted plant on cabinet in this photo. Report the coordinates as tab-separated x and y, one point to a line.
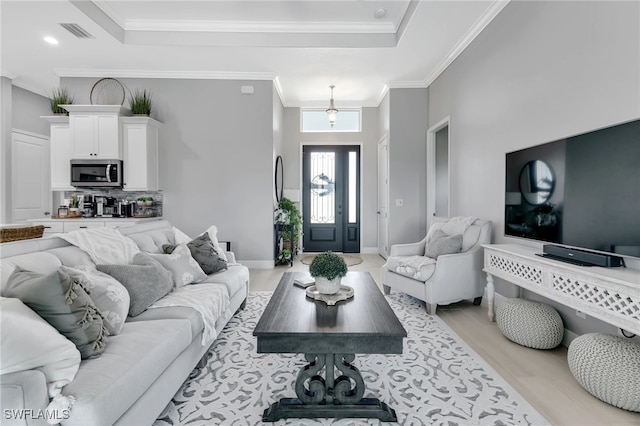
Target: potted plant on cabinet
140	102
328	268
60	96
74	205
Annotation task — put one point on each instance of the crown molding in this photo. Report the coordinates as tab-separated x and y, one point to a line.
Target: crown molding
200	75
418	84
6	73
492	11
278	87
383	93
260	27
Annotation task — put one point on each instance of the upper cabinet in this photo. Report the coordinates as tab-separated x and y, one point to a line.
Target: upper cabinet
95	131
61	152
105	132
140	146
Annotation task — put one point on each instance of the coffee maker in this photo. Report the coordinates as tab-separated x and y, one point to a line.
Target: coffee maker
88	206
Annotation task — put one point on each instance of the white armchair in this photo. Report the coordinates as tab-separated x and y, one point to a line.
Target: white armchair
449	279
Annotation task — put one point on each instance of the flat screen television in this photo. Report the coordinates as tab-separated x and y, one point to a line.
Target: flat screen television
582	191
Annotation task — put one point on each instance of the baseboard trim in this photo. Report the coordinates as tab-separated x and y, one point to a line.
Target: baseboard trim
499	299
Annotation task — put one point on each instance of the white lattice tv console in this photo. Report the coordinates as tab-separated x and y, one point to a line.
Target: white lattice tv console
609	294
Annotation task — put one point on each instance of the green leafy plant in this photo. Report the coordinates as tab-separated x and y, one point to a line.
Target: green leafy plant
295	217
60	96
140	102
328	265
74	202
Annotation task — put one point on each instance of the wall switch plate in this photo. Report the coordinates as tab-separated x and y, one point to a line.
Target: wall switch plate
246	90
399	202
581	314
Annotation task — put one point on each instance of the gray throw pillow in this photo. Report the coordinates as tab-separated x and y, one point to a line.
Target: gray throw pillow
183	267
442	243
145	279
64	303
204	252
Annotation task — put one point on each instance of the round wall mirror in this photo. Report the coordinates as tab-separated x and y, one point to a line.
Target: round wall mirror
536	182
278	178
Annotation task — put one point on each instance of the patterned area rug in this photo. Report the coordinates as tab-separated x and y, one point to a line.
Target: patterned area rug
437	380
349	259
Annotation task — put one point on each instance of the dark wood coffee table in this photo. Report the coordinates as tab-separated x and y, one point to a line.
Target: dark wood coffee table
329	337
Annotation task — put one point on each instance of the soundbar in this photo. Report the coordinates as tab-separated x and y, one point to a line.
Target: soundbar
581	257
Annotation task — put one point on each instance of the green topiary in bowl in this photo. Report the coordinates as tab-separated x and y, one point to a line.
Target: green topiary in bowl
328	265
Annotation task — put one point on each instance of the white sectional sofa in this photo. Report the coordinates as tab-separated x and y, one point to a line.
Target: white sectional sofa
142	367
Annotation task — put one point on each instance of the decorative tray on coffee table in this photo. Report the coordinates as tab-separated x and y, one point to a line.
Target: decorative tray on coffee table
344	293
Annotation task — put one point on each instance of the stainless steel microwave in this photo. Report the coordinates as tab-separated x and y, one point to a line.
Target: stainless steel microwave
100	173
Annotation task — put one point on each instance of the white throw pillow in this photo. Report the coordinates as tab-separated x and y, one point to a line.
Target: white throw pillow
183	267
107	293
29	342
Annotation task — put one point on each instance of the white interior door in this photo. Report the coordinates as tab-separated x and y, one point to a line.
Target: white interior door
30	179
383	197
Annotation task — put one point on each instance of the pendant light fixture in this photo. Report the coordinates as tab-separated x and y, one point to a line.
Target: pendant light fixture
332	111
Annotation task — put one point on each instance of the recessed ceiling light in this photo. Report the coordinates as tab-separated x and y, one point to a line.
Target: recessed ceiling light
380	13
50	40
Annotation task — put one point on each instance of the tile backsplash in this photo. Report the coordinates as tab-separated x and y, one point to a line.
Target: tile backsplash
121	195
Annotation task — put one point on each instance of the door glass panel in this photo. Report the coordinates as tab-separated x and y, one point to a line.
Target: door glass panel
352	186
322	188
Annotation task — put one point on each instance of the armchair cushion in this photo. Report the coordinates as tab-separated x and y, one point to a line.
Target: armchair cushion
417	267
442	243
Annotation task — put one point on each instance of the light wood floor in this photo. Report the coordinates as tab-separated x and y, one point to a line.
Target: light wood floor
542	377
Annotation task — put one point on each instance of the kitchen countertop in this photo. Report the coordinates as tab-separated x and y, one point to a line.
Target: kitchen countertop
106	219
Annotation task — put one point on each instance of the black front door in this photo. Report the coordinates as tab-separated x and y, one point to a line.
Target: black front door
331	198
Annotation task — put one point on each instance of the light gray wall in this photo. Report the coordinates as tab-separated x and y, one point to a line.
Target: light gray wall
278	137
540	71
28	107
407	164
213	145
368	138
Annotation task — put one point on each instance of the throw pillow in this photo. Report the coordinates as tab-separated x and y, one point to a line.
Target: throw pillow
44	349
213	234
106	292
62	301
442	243
145	279
204	252
182	265
180	237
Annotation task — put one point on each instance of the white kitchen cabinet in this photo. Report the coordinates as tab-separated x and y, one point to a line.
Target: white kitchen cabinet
61	152
55	226
140	148
95	131
77	224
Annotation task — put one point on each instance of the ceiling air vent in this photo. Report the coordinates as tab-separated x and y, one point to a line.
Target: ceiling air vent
77	30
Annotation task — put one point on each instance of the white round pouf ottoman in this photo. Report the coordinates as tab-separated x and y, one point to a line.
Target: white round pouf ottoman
530	323
608	367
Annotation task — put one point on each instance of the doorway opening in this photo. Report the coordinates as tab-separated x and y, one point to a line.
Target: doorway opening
438	173
331	198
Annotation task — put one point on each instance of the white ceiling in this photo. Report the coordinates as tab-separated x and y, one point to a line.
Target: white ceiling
303	45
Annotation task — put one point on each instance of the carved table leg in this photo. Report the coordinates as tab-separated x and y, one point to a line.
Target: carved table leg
319	397
490	295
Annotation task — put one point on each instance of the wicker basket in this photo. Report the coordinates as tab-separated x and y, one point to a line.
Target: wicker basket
23	233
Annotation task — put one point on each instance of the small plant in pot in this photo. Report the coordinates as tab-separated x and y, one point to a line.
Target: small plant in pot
60	96
140	102
328	269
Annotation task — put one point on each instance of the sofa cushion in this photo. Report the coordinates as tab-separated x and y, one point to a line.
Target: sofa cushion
235	278
183	267
152	241
62	302
106	387
204	252
45	349
145	279
417	267
442	243
72	256
173	312
108	294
